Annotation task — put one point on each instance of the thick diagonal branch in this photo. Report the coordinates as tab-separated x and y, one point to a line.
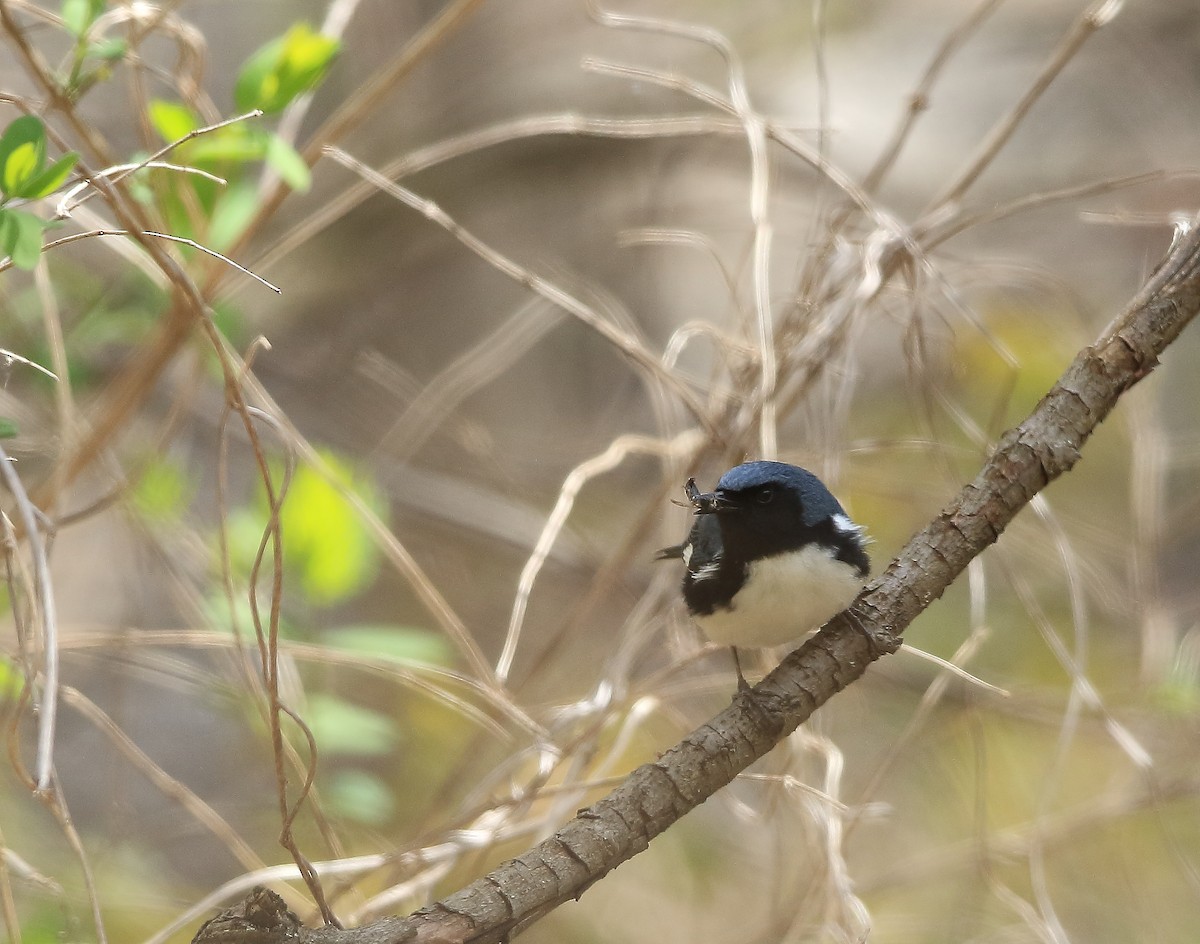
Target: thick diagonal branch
656	795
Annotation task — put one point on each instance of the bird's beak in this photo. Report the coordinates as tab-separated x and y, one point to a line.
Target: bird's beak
704	503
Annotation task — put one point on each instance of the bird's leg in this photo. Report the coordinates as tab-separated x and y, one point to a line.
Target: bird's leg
743	685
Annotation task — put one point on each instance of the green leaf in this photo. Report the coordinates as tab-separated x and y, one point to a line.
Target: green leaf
22	153
108	50
232	213
162	491
231	322
342	727
12	682
78	15
284	69
404	644
172	120
286	161
236	144
324	537
20	237
361	796
51	178
218	616
8	429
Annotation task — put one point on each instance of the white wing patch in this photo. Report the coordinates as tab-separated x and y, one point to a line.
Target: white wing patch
844	525
708	571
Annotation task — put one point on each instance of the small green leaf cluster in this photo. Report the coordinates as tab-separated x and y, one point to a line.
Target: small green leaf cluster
284	69
329	554
91	58
25	176
273	78
329	558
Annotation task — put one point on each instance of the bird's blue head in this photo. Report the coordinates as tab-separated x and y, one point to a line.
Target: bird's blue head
768	508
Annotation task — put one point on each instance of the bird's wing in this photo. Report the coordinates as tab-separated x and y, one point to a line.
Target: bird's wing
704	548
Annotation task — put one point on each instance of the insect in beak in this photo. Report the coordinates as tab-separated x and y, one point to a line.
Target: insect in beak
705	503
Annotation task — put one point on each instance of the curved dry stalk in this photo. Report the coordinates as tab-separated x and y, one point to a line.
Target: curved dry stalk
47	705
476	367
754	129
782	136
56	803
939	233
624	341
429	680
471	142
933	694
620	449
268	644
170	787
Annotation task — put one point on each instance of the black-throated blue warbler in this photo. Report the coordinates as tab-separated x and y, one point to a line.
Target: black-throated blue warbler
771	555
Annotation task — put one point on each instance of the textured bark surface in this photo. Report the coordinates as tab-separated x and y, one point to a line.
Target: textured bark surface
656	795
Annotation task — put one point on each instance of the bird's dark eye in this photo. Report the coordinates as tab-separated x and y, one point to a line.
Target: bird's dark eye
764	495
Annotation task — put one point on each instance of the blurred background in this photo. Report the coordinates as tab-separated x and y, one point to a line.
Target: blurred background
528	287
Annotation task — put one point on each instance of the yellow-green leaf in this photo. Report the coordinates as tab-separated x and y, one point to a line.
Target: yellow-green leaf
172	120
284	68
288	164
20	237
162	491
323	536
342	727
404	644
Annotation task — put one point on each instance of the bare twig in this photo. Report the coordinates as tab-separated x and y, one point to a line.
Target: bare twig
1094	18
191	243
48	702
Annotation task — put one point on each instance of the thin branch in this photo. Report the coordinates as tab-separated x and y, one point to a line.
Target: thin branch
75	237
918	101
48	703
1094	18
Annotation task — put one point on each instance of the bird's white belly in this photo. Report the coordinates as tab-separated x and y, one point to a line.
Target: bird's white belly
783	598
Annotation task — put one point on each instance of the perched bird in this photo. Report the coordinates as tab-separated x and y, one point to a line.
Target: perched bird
771	555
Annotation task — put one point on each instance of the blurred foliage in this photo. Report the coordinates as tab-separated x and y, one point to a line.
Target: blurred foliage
11	679
402	644
342	727
272	79
103	318
284	69
163	491
330	554
91	60
24	177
